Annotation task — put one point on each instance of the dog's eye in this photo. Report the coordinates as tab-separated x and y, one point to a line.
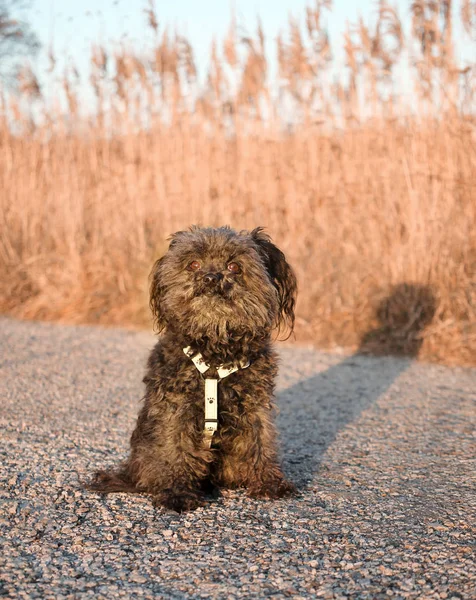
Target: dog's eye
194	265
234	268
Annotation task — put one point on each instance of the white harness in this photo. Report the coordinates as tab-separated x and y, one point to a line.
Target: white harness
211	391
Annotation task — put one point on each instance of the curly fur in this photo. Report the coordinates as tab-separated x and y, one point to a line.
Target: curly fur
228	319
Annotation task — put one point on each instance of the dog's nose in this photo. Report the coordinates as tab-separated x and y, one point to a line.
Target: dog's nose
212	277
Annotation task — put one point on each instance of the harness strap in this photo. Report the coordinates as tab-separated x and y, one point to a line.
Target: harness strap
211	391
211	410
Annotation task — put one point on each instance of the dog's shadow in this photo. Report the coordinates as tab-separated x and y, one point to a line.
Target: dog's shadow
314	410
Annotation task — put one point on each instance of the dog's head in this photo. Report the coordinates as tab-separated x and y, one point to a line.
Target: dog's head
213	282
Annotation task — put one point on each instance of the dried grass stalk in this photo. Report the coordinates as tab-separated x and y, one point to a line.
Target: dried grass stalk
371	197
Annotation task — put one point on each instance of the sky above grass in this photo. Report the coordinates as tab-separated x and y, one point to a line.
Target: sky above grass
72	26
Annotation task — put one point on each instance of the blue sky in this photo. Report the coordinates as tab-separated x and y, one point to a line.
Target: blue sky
74	25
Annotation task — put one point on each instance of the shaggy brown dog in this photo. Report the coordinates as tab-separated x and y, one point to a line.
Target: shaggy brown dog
216	295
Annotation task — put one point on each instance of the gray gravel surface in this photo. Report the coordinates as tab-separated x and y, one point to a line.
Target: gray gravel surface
382	450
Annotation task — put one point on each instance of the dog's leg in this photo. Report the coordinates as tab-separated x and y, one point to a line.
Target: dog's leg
173	477
249	458
168	459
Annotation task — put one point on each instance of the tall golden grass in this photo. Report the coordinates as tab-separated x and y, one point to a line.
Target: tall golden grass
366	176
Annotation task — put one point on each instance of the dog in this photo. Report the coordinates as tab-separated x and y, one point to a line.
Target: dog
206	420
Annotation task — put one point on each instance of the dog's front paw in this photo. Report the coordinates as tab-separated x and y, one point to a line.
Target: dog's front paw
278	488
179	501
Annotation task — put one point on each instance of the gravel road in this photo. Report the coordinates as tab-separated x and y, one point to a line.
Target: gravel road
382	450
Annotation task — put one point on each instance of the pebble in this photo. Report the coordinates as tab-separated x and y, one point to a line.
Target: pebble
381	450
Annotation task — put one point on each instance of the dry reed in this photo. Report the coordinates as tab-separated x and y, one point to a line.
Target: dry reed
371	195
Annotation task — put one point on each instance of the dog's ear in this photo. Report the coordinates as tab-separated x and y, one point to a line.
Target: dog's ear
281	275
157	288
156	291
158	276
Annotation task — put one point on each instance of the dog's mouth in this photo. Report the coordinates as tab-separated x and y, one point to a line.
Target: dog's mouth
214	291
